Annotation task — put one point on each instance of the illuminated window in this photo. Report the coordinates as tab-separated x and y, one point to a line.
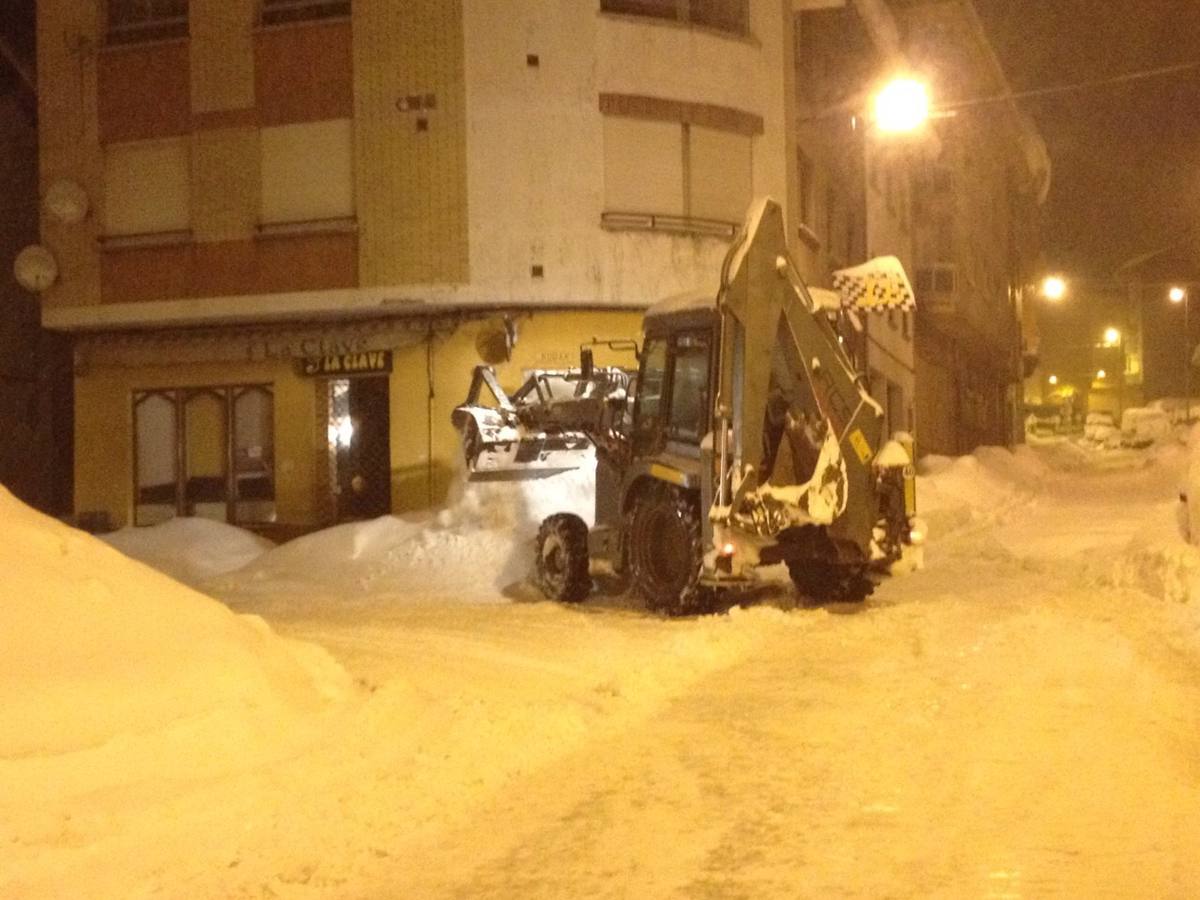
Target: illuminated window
136	21
279	12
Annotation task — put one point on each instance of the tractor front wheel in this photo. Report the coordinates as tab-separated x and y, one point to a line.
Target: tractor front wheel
664	550
561	565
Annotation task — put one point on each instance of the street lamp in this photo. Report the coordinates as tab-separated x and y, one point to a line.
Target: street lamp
1053	379
1054	288
1112	337
1177	295
902	105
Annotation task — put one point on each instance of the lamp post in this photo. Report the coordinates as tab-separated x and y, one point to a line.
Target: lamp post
1180	295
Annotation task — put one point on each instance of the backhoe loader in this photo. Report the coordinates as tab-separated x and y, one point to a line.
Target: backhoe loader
743	438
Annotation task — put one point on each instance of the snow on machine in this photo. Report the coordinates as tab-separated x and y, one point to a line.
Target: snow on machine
743	439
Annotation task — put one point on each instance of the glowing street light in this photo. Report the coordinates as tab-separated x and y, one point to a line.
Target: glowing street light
1112	337
1177	295
1054	288
1101	375
1053	379
902	105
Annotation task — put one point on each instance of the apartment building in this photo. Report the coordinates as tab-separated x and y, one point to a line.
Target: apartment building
976	235
855	193
305	221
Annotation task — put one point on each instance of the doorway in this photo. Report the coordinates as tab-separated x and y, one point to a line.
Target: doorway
359	424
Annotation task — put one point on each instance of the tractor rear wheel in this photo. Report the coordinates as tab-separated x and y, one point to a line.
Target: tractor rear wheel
561	566
664	550
827	582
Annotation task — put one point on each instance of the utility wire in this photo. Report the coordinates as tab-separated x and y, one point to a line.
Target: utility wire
1140	75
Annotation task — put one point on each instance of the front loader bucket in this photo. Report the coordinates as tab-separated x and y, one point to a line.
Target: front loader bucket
496	450
529	457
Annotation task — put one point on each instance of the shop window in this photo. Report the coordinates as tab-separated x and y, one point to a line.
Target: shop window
668	175
307	172
137	21
147	187
723	15
280	12
206	452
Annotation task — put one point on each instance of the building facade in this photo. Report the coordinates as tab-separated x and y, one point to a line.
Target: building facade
309	219
977	237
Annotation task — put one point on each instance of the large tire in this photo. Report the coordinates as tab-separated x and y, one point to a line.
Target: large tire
827	582
664	551
561	566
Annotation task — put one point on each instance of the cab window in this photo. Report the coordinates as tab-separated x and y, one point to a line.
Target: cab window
650	384
688	417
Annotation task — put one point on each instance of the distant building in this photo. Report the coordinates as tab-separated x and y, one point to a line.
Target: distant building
35	366
977	241
311	219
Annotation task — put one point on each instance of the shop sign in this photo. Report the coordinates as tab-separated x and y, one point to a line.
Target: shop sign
367	362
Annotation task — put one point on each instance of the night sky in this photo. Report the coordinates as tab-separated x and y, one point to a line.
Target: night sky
1126	159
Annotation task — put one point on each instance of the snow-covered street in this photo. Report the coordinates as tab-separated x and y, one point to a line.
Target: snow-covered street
1019	719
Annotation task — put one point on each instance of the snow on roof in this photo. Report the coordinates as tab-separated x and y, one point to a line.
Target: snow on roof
98	648
686	301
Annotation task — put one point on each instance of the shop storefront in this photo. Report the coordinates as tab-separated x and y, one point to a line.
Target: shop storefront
284	429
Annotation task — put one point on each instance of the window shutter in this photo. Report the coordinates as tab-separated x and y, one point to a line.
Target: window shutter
720	174
146	187
307	172
643	166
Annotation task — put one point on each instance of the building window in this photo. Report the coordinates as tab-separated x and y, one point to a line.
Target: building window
280	12
723	15
675	176
147	187
137	21
207	452
804	178
307	172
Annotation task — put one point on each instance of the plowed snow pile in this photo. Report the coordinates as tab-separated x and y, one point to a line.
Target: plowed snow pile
478	548
98	651
191	550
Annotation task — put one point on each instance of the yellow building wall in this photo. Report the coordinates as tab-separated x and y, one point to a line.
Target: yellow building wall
411	184
68	142
432	455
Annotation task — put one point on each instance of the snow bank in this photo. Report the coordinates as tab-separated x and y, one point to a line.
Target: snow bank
478	548
191	550
97	649
1143	426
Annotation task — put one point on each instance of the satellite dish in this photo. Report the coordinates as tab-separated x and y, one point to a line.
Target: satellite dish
66	201
36	268
495	341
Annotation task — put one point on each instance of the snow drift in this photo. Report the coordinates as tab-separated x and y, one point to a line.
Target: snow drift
191	550
95	647
478	548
